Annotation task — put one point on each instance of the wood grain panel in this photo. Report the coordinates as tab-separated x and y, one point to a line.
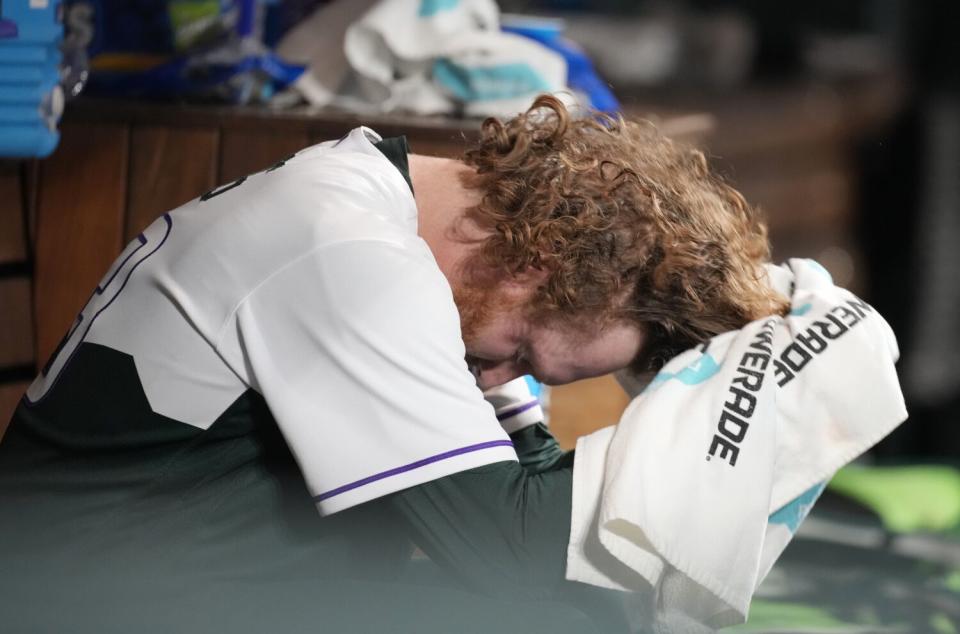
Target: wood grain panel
31	171
16	323
80	218
448	149
585	406
445	144
12	247
327	132
168	167
245	151
10	394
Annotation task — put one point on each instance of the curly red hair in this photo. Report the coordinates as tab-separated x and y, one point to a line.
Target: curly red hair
630	226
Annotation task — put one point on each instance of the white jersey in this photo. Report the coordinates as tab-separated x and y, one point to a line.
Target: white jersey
307	284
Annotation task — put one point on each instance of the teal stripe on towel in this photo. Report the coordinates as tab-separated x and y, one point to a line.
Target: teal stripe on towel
793	513
432	7
694	374
502	81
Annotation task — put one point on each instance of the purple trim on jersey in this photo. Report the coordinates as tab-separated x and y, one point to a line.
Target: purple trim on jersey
99	291
410	467
517	410
142	240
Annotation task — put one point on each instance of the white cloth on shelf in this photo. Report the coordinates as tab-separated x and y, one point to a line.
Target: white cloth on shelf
421	56
701	485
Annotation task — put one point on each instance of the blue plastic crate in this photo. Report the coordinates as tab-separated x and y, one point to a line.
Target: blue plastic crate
31	99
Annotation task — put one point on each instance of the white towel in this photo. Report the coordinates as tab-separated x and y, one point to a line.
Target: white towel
699	488
430	56
422	56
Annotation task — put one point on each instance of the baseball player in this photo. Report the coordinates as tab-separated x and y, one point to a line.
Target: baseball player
315	337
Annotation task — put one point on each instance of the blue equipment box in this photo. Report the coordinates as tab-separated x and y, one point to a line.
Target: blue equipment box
31	98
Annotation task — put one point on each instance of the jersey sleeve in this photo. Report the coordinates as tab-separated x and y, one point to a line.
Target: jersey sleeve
357	351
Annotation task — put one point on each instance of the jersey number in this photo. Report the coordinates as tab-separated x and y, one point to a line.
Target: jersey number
107	291
213	193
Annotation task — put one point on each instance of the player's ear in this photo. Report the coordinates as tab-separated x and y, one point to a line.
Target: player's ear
530	278
531	275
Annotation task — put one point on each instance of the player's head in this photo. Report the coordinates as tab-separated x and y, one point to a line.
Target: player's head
610	224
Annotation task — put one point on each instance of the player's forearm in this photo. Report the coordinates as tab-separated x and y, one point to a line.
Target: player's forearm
538	450
499	529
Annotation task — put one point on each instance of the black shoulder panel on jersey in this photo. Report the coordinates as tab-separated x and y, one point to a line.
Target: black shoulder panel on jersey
396	150
95	436
98	403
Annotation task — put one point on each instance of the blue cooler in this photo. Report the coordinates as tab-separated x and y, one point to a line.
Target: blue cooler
31	99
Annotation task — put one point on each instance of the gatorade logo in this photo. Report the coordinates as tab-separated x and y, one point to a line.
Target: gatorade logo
742	401
816	339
